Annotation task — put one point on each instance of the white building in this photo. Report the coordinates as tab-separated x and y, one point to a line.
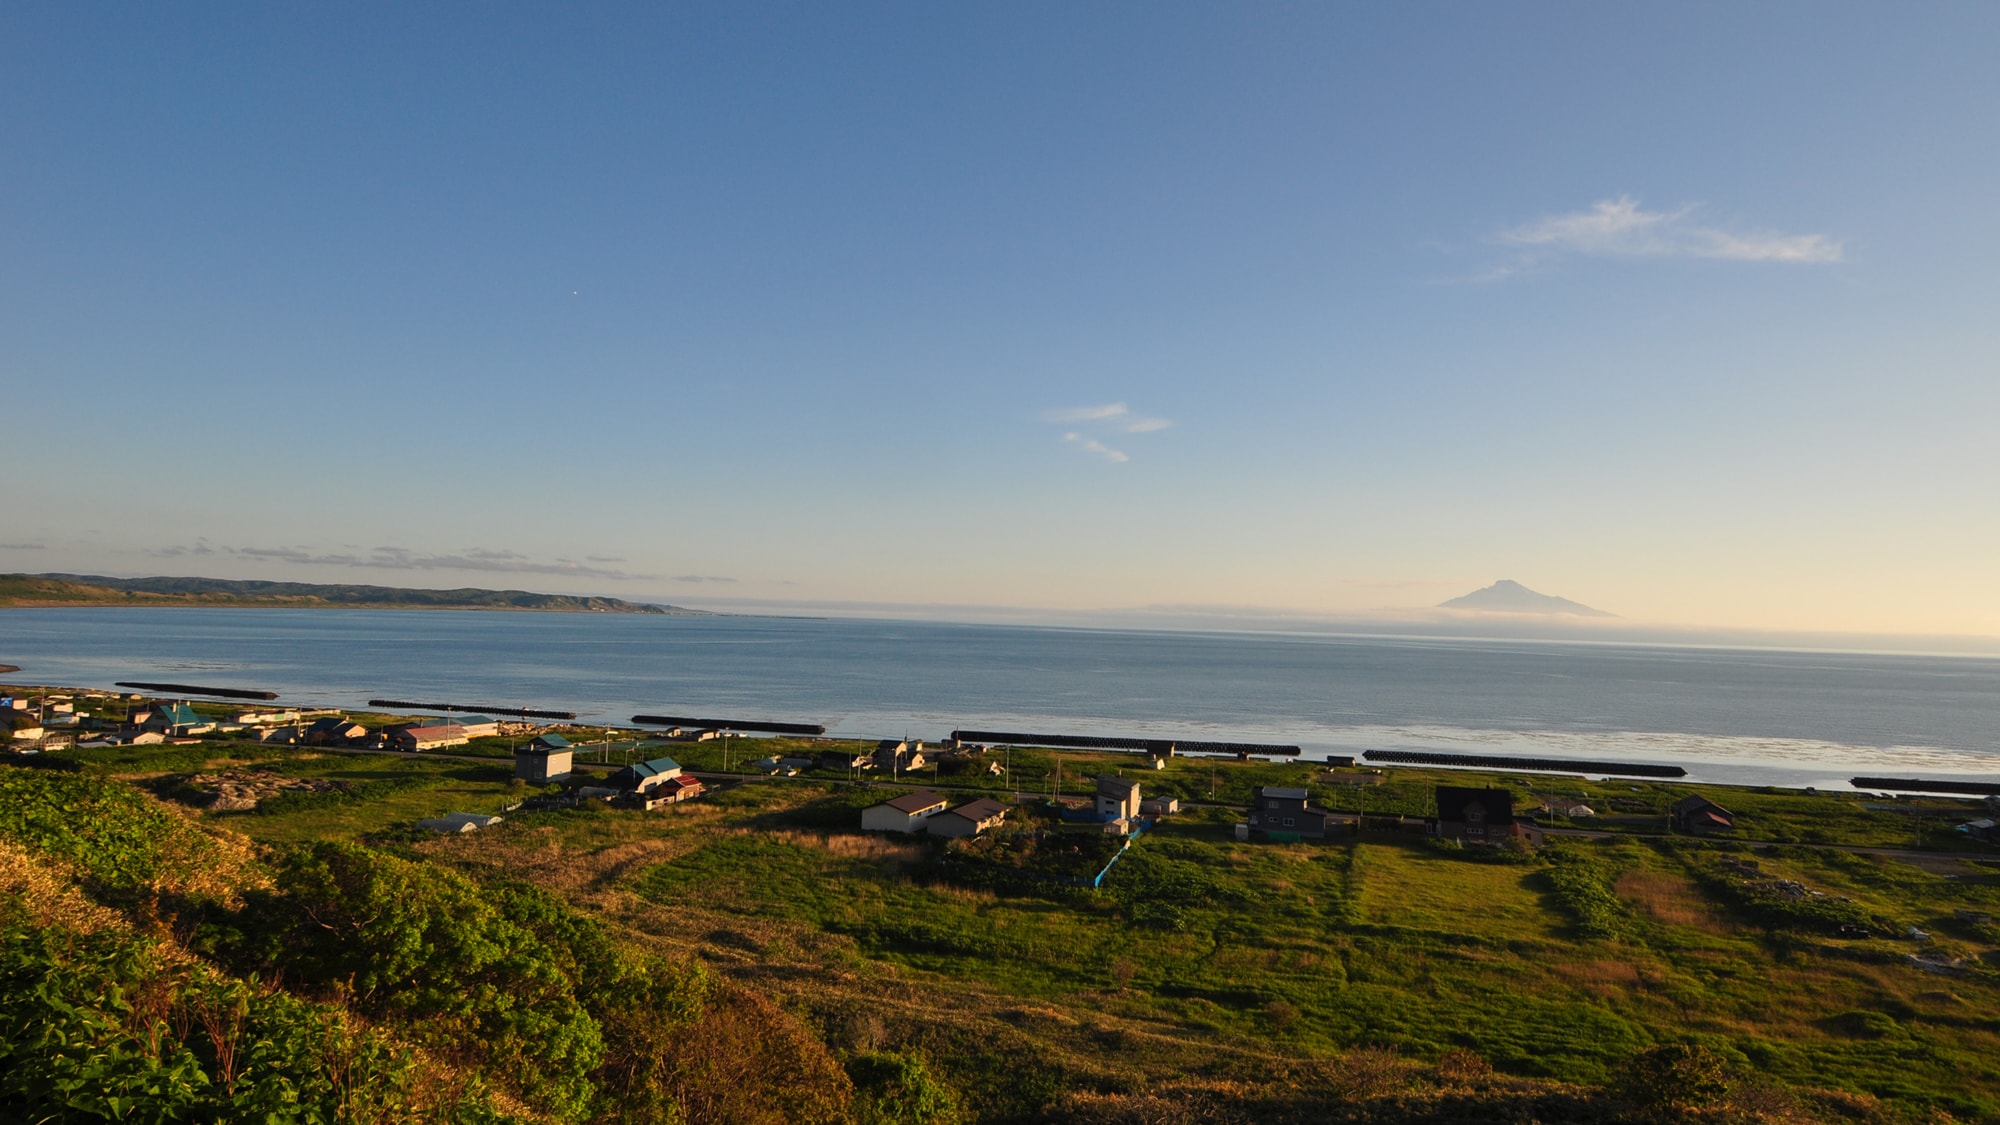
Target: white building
910	812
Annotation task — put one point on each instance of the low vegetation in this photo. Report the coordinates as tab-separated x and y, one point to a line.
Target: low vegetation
752	957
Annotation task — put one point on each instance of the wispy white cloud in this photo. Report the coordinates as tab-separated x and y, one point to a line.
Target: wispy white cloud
23	547
1071	414
1623	228
1111	417
701	578
1092	445
477	560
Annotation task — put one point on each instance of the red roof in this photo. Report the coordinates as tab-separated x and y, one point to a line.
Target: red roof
449	730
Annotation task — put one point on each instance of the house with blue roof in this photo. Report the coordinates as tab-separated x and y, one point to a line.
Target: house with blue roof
638	777
547	758
177	719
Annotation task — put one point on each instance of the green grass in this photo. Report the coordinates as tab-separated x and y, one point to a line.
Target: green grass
1319	947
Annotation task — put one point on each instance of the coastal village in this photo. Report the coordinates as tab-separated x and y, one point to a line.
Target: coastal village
1120	887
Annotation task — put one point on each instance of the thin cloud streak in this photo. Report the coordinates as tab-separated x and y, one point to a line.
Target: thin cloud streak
478	560
1622	228
1092	445
1085	413
1110	417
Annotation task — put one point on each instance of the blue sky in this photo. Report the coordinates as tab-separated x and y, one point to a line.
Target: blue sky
1687	314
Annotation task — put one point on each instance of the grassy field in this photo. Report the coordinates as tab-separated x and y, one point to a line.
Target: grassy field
1203	957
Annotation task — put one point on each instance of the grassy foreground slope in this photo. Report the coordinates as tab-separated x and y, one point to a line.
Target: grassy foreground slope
89	589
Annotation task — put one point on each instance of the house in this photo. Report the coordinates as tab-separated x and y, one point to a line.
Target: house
459	822
333	730
478	726
1476	816
969	819
1699	816
671	792
1159	806
1286	813
266	718
427	738
145	738
896	756
1117	798
281	736
1982	830
910	812
641	777
176	719
28	734
545	759
845	760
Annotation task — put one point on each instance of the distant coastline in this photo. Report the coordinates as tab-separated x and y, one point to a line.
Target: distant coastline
64	590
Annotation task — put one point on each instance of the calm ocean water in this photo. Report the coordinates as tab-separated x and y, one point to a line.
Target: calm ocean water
1731	715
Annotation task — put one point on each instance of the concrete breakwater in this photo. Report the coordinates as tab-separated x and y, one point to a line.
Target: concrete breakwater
1156	746
1503	762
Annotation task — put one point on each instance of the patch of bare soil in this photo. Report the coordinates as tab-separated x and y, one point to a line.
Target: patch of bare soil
240	790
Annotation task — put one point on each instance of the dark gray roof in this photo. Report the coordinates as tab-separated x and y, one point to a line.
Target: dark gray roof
914	802
1283	793
1454	801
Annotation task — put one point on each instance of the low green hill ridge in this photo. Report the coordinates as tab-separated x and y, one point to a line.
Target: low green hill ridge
94	589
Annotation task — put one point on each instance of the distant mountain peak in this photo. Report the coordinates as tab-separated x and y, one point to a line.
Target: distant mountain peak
1509	596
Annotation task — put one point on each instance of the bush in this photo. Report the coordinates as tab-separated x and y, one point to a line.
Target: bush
898	1088
1583	886
111	833
421	945
1669	1081
98	1026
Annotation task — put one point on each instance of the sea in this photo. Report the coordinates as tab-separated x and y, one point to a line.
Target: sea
1728	715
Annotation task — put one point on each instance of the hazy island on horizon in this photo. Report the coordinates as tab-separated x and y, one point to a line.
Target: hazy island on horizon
1509	596
92	589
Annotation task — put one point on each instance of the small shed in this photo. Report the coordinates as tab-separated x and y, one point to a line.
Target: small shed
969	819
910	812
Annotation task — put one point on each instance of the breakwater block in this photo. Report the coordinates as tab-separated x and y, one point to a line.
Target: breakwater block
1159	746
190	689
1537	765
6	668
471	709
1919	785
765	726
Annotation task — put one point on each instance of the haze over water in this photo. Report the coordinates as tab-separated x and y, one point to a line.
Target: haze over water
1728	715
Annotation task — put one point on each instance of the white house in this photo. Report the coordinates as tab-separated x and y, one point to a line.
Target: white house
910	812
969	819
